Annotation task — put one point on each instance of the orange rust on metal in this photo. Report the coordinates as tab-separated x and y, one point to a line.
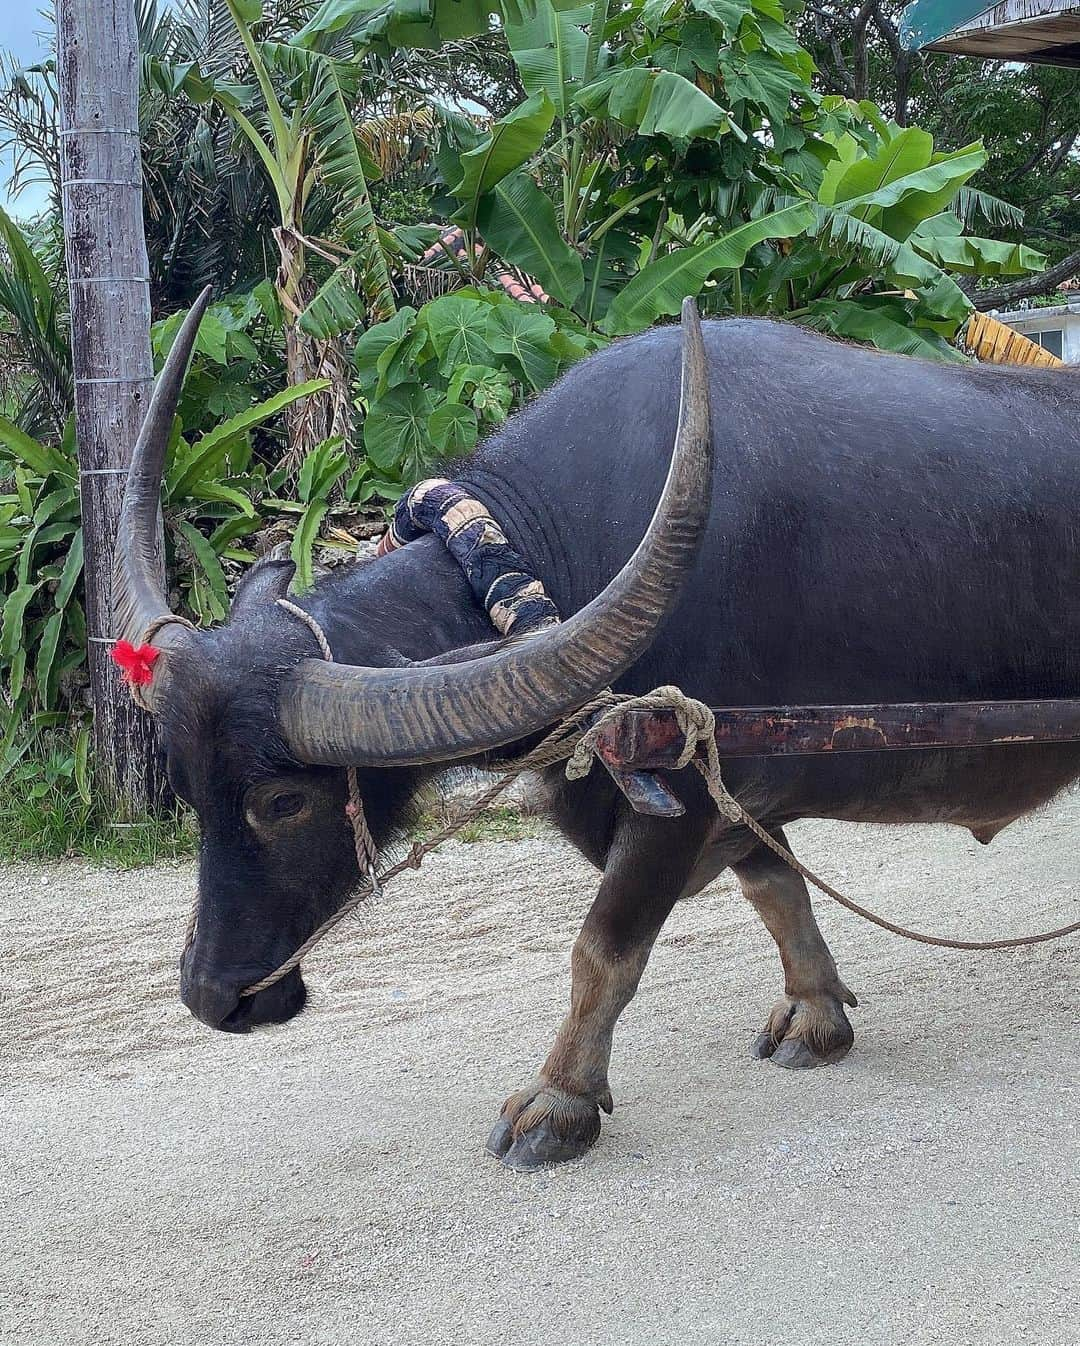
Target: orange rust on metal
646	740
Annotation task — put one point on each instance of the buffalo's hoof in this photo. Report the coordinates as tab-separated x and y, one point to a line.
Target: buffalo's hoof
803	1033
542	1126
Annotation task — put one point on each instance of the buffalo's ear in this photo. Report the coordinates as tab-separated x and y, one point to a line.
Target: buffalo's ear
266	581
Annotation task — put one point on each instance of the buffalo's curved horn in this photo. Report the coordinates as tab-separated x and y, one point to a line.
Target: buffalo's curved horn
138	599
336	714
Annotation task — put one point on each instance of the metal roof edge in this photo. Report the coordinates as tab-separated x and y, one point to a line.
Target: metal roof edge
1053	311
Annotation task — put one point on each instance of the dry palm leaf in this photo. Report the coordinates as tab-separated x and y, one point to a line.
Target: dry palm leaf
993	342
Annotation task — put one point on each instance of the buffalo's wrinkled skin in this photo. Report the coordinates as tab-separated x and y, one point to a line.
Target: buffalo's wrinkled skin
882	529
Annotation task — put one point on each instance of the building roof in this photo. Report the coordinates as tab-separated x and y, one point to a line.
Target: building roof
1041	31
1053	311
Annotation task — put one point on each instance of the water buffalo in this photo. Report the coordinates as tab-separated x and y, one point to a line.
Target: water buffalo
879	529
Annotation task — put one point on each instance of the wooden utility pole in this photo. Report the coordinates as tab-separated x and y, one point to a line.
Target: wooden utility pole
108	278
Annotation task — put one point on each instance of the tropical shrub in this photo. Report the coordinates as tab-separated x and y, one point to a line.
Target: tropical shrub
212	500
43	630
877	263
659	149
436	378
35	358
667	149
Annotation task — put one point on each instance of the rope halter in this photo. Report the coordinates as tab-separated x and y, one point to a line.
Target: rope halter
367	853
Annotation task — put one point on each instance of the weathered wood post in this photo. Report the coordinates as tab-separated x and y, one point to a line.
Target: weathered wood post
108	278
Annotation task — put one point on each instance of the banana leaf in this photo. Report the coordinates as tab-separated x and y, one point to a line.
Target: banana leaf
659	288
518	220
513	140
888	326
549	47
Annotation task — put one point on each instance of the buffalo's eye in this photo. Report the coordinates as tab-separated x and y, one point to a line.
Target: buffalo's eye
285	806
269	806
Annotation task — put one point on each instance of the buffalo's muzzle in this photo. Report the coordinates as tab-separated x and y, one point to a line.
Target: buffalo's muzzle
215	997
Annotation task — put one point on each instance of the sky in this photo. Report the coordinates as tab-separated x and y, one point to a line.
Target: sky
24	32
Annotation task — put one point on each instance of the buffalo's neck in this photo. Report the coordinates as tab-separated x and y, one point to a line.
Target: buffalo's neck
411	605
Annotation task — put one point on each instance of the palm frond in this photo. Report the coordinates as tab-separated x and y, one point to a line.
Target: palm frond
29	104
206	199
395	139
37	357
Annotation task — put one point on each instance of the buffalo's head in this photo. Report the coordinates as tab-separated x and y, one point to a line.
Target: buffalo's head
257	731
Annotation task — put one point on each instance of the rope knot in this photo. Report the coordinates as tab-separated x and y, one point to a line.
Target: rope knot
696	722
694	719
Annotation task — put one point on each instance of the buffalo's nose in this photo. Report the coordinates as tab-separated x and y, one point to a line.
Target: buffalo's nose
208	997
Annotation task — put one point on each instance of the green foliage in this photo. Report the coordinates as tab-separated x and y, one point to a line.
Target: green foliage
308	147
520	223
215	481
874	263
686	154
660	287
435	379
216	493
321	472
404	23
941	239
49	809
1027	116
662	148
512	141
35	362
549	45
637	153
42	633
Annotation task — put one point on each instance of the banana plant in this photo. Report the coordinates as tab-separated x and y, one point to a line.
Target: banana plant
294	112
667	149
634	117
886	238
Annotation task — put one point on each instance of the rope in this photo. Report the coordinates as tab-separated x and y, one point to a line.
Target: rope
558	745
157	625
938	941
698	726
573	743
367	853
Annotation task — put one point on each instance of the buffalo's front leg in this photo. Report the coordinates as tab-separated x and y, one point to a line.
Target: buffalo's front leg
808	1027
558	1118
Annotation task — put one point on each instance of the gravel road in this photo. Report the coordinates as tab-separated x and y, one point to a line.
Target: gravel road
324	1181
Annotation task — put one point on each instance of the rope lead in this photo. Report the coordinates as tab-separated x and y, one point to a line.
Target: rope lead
573	741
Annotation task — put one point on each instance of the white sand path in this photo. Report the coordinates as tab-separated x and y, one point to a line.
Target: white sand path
324	1181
